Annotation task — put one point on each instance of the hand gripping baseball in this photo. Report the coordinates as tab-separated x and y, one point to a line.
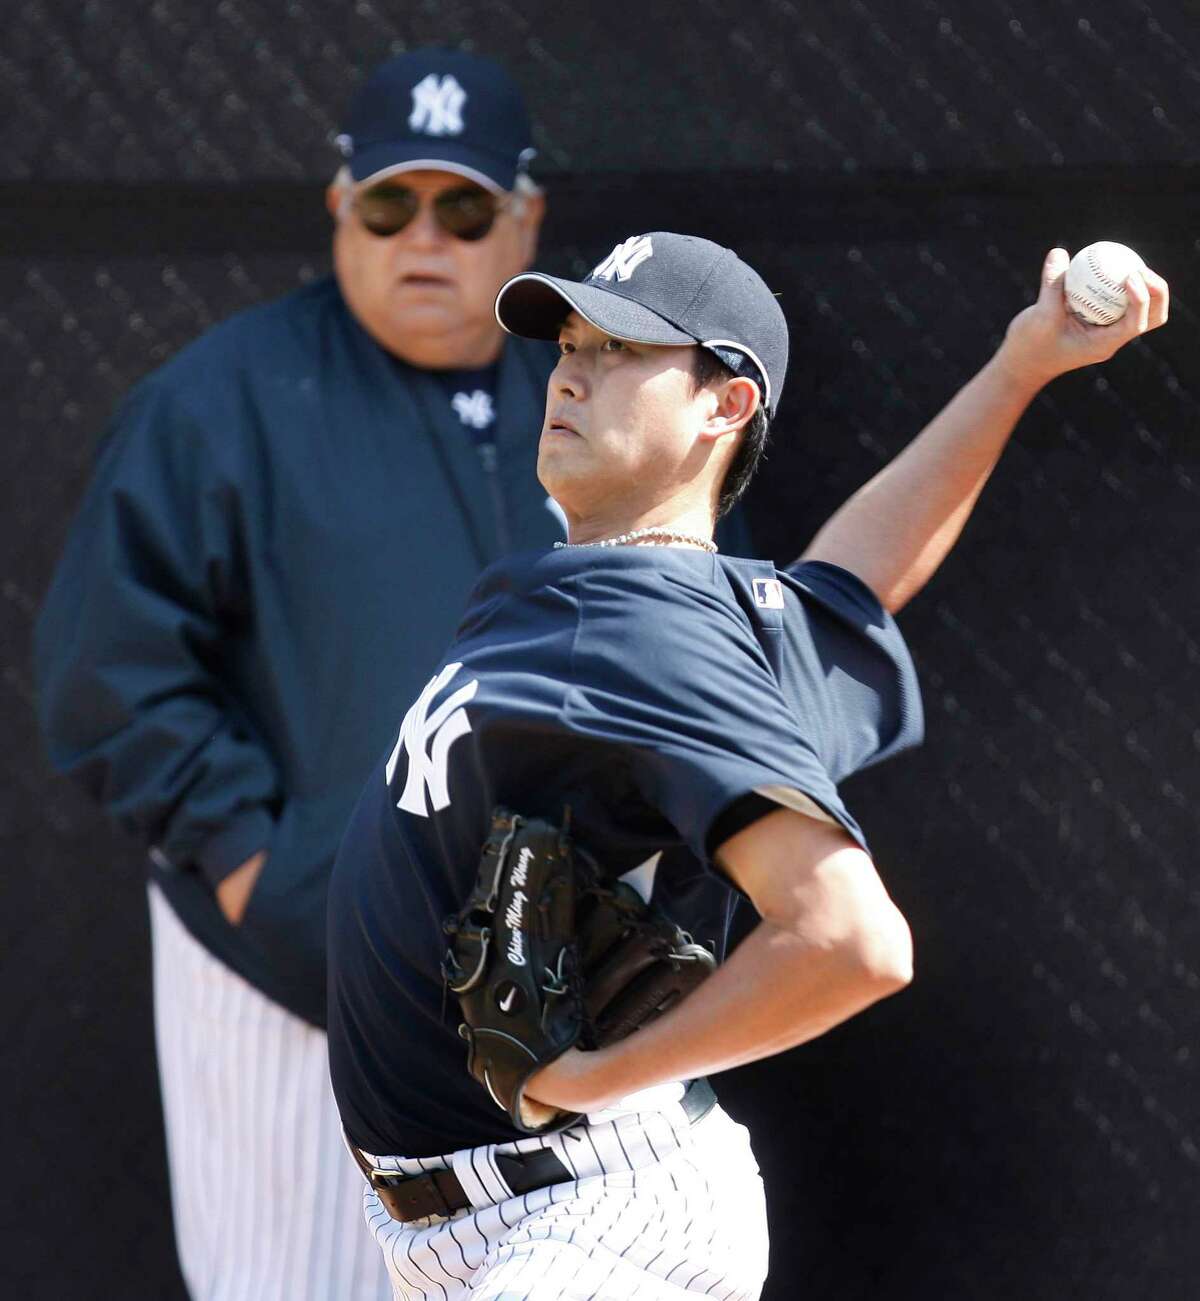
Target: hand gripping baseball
1047	339
547	955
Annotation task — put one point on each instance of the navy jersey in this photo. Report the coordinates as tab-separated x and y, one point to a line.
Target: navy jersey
668	697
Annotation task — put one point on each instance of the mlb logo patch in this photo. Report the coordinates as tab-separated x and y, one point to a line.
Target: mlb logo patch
768	593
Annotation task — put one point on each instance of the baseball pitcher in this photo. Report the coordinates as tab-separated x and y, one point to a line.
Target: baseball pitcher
529	911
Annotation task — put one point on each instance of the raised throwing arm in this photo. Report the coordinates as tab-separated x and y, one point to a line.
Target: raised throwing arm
896	530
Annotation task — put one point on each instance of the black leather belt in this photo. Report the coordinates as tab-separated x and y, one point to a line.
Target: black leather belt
438	1192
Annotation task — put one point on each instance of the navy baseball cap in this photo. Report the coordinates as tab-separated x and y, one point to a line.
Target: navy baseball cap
443	110
664	289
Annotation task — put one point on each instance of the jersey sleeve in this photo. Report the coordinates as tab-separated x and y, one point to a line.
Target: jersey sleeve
846	667
682	691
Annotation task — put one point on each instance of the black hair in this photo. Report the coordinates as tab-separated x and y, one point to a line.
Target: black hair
708	368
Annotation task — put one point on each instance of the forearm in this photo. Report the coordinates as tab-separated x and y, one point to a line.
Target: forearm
777	990
830	943
898	528
895	532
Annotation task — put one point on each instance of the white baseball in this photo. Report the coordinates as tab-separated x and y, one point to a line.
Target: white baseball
1095	281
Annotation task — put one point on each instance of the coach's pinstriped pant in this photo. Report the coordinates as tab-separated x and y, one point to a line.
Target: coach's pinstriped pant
267	1201
658	1210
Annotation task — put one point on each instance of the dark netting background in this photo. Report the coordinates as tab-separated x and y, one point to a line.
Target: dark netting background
1023	1121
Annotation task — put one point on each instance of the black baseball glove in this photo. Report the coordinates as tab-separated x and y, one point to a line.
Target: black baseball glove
549	954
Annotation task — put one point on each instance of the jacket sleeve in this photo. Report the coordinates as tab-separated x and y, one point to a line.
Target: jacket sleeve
130	640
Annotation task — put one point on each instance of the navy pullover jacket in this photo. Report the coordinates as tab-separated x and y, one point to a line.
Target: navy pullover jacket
282	529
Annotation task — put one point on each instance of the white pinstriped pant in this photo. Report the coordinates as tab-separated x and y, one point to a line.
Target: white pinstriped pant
267	1201
657	1210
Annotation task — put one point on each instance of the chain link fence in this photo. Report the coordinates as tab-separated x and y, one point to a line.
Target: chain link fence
1023	1121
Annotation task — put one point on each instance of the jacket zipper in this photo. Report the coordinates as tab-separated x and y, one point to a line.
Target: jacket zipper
490	460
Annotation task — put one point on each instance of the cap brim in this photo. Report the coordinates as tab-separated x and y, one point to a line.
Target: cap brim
377	162
534	306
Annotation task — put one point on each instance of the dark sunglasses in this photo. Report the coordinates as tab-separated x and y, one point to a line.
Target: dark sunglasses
466	212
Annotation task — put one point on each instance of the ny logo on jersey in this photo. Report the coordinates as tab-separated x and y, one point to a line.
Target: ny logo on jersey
427	738
437	106
474	409
625	259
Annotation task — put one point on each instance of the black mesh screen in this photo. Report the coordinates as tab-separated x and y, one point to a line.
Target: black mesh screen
1023	1121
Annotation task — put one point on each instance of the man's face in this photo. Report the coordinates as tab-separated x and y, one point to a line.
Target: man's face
422	293
623	424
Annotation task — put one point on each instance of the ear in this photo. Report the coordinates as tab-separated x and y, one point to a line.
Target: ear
737	399
529	224
336	198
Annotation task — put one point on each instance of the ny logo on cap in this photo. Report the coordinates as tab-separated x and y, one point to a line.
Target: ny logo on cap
437	106
625	259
